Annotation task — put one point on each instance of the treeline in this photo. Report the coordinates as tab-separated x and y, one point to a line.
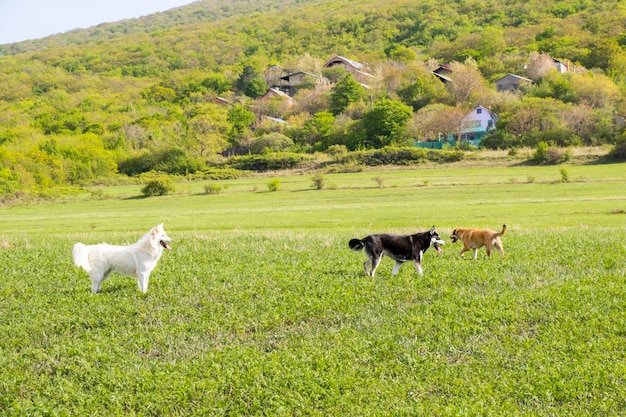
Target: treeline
187	99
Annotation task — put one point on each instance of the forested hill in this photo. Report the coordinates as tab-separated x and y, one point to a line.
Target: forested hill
175	91
199	12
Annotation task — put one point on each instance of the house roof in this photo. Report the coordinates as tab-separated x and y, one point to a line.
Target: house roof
339	59
515	76
442	77
492	115
286	77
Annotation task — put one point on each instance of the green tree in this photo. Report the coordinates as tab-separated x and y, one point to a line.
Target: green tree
256	88
384	123
217	82
346	91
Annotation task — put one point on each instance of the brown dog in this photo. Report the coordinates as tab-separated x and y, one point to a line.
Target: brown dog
476	239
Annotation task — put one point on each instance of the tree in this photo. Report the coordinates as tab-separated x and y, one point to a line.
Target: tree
539	64
346	91
424	91
318	128
384	123
468	86
240	118
257	87
217	82
207	135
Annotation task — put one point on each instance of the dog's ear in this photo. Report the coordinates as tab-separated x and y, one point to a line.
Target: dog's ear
432	230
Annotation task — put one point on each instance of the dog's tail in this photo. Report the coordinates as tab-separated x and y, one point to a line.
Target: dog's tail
80	253
356	244
503	232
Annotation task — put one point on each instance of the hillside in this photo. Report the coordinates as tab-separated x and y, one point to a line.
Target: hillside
175	91
199	12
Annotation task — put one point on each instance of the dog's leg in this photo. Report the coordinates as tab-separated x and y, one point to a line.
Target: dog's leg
418	263
366	264
97	278
96	281
396	268
475	253
375	263
499	246
143	282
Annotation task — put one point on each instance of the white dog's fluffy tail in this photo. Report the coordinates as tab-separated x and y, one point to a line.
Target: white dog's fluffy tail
80	253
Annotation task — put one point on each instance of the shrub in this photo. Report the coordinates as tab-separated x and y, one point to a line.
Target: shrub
268	162
274	184
213	189
158	186
318	181
541	153
169	160
402	156
564	174
619	151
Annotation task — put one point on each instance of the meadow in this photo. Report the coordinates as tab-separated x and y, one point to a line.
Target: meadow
261	309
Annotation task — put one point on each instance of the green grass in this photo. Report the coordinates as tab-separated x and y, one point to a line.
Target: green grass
261	309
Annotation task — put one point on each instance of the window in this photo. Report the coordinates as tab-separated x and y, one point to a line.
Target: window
479	111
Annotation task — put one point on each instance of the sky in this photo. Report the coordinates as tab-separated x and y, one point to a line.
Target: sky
22	20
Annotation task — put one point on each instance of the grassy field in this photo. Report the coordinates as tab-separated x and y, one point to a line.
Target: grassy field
261	308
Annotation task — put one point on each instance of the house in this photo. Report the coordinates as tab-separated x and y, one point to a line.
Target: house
291	82
442	72
221	101
477	124
511	82
275	92
561	66
474	126
353	67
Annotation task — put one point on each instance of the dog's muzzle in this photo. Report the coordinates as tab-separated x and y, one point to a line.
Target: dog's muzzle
165	245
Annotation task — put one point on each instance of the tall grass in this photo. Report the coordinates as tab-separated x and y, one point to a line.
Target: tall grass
261	308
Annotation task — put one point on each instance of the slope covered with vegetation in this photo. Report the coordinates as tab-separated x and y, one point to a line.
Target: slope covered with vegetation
176	91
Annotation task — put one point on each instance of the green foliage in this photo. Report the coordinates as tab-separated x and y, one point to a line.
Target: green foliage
257	87
541	153
158	186
240	118
273	184
168	160
346	91
118	82
268	162
213	189
272	142
318	181
217	82
619	151
384	123
402	156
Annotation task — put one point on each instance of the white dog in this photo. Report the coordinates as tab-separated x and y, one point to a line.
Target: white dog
138	259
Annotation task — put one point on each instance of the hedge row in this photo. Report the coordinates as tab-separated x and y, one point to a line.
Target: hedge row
268	162
402	156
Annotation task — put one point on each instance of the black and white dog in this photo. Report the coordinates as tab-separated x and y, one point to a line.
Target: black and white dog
399	248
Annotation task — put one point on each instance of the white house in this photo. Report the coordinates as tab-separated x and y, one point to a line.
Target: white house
477	124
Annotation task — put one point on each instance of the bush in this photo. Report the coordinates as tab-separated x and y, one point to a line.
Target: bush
213	189
541	153
221	174
318	181
169	160
268	162
619	151
402	156
274	184
158	186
